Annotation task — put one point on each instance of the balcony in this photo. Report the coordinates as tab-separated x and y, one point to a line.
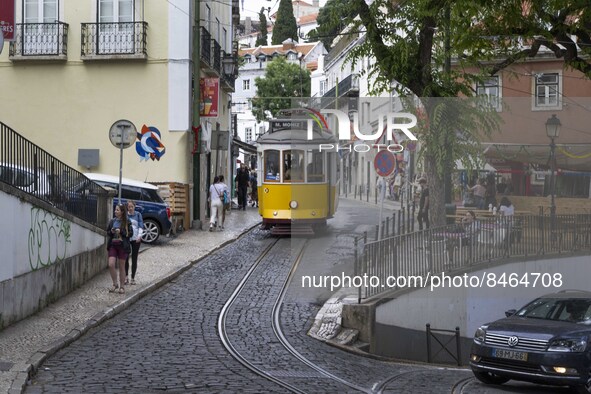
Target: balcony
123	40
205	47
40	41
347	87
217	57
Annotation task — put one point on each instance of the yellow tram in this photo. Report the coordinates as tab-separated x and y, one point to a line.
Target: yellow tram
297	176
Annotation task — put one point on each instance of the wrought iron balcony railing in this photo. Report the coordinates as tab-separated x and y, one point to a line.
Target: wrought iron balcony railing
217	57
122	39
41	40
205	46
346	87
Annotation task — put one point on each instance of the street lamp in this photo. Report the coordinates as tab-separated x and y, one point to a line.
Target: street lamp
229	64
552	131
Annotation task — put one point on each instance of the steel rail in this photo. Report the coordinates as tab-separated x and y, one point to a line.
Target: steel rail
222	332
286	344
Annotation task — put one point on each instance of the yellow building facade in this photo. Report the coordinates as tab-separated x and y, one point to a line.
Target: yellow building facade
77	66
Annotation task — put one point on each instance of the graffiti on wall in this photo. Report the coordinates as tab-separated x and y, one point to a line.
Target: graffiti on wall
49	237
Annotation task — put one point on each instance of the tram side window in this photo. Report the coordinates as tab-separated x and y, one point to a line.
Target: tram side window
293	170
315	167
271	165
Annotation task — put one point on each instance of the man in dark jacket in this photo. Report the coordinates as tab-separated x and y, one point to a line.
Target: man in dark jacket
423	216
242	179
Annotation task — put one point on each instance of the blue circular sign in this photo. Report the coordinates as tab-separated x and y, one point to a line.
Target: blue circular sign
384	163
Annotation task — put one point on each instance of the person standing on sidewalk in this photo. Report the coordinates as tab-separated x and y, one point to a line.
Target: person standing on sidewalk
119	231
137	223
226	204
216	196
423	216
242	179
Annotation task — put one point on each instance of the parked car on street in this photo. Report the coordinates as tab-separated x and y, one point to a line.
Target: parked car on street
155	212
548	341
32	181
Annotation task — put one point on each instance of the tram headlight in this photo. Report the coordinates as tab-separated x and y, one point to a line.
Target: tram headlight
293	204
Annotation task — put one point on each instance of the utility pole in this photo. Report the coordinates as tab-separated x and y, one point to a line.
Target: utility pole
448	165
196	118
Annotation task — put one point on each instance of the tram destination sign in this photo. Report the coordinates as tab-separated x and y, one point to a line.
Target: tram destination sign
287	124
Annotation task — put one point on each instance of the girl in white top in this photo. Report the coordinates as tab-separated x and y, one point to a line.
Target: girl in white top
506	208
216	196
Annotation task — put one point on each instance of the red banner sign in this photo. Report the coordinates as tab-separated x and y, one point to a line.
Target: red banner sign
209	89
7	19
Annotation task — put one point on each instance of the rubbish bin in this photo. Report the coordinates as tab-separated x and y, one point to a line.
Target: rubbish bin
450	209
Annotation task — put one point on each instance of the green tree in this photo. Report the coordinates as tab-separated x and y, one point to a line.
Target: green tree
282	82
262	37
285	25
332	18
414	44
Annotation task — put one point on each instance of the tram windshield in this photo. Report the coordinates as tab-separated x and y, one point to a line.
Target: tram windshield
293	165
271	165
315	166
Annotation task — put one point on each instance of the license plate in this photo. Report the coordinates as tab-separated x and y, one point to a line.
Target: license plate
509	354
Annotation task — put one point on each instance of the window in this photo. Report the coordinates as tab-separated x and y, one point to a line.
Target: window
315	166
271	165
323	87
218	32
248	134
224	40
365	111
293	165
116	26
208	13
491	89
246	84
292	56
547	91
40	34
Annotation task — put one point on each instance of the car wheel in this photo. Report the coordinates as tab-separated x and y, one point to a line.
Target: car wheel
584	388
490	378
151	231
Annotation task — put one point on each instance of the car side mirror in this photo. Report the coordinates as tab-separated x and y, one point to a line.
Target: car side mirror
510	312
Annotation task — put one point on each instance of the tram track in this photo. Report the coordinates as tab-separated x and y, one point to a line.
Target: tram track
315	371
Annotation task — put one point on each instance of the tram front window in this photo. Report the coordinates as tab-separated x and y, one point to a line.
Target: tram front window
293	166
315	166
271	165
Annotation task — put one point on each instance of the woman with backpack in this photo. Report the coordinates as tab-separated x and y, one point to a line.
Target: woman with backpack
217	191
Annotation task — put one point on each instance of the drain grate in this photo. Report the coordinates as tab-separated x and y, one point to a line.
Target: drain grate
5	366
296	374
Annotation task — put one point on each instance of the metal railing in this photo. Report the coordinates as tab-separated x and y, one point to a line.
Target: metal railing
454	247
348	85
29	168
205	46
432	334
40	39
107	39
217	57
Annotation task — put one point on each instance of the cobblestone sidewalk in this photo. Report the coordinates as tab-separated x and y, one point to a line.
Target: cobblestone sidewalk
26	343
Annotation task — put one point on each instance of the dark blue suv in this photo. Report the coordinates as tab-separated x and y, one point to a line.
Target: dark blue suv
154	210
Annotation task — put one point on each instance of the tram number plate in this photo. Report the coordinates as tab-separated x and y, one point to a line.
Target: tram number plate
509	354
